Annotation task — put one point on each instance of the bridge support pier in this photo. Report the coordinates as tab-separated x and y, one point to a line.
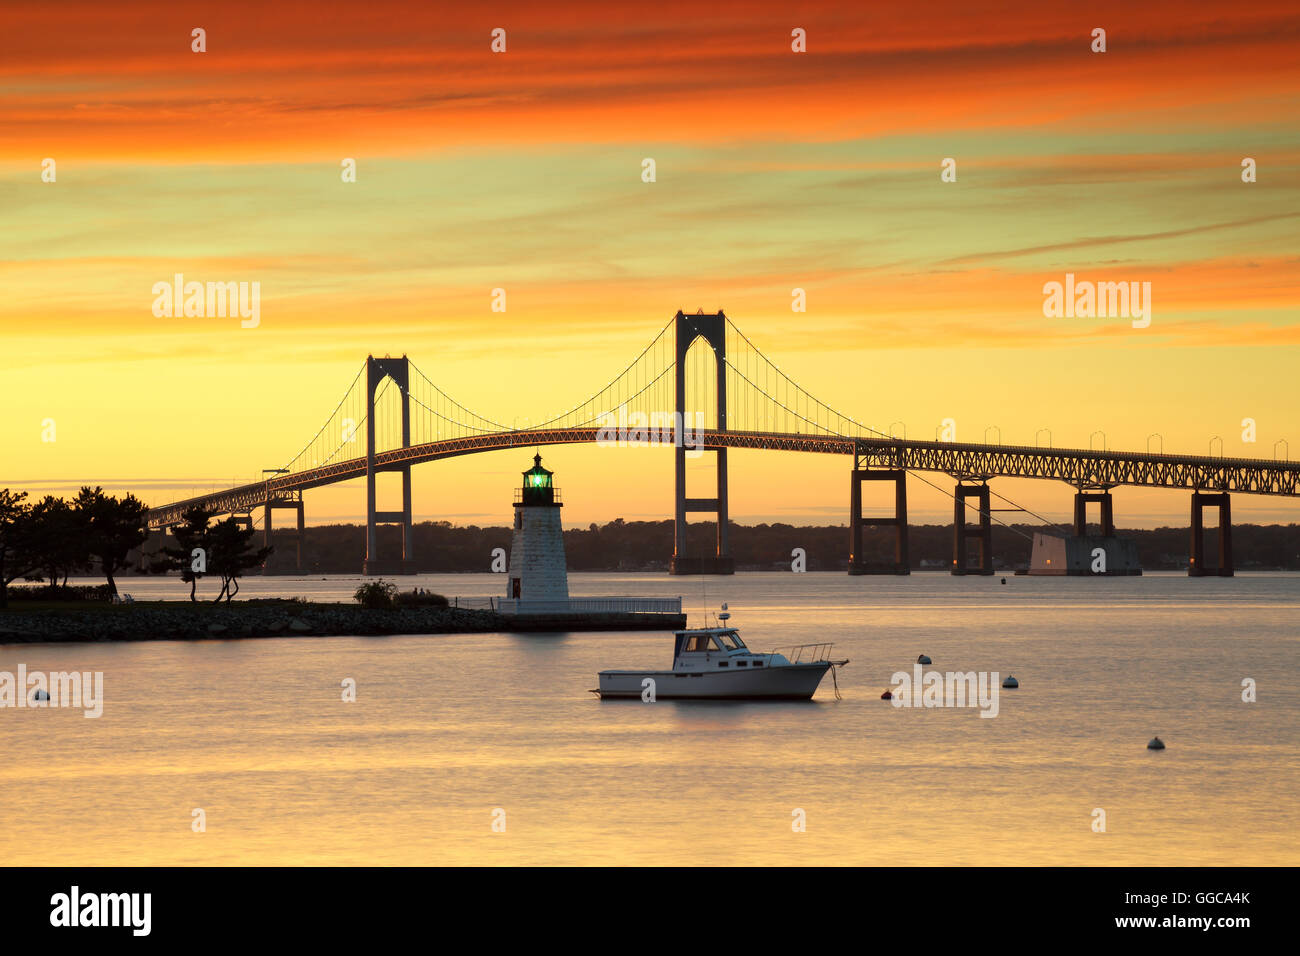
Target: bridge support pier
962	532
296	536
1081	501
857	562
1083	554
1196	567
720	562
374	518
151	549
376	371
713	329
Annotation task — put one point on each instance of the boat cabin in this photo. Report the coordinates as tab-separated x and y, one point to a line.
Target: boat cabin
713	648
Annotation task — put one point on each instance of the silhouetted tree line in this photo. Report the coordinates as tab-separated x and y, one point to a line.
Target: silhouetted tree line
441	547
50	539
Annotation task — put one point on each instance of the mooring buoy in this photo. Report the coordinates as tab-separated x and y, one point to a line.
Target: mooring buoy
923	660
1155	744
887	695
1010	682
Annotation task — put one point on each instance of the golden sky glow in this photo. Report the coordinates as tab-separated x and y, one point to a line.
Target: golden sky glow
522	170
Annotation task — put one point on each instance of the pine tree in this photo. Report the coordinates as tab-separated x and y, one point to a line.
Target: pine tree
193	545
113	526
229	554
60	539
18	557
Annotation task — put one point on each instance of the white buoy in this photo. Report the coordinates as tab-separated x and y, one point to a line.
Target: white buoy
1156	744
923	660
1010	682
41	695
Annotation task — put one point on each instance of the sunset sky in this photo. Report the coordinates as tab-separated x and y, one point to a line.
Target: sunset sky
522	170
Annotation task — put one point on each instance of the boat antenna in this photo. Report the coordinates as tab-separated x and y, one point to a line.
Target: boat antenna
704	585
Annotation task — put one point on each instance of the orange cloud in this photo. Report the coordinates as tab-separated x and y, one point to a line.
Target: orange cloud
391	78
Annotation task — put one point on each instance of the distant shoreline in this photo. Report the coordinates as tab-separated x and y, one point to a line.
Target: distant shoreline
646	546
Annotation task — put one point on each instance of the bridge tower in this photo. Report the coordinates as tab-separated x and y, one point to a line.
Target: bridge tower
376	371
713	329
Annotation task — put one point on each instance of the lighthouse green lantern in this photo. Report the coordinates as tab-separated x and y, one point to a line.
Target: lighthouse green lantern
537	489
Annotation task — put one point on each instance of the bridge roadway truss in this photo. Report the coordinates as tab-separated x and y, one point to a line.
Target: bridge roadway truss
1075	466
1082	468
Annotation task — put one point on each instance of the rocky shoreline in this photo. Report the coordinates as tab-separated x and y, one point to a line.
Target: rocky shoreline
183	621
166	621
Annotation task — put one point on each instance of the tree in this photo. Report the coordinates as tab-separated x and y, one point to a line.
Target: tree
17	553
376	594
193	544
59	540
229	554
113	526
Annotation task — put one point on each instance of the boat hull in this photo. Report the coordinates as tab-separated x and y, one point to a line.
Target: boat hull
788	682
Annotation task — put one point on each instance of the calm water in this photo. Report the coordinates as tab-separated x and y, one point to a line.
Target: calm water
448	728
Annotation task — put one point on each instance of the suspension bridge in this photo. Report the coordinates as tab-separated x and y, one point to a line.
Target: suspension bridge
393	417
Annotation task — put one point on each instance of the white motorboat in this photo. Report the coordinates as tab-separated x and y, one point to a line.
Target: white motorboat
713	663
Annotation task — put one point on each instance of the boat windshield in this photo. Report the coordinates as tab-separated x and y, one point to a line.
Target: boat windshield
731	641
696	642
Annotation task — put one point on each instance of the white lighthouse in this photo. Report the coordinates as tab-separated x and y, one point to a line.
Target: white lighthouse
537	568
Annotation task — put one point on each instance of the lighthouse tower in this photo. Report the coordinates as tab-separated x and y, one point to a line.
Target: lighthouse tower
537	569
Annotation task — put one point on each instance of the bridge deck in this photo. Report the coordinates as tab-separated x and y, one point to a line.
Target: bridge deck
1076	466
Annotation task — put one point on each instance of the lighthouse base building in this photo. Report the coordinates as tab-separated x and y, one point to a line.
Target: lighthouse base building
537	593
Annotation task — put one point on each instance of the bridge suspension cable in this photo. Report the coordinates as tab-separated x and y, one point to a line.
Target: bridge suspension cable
435	416
945	491
1046	521
747	363
766	399
444	409
313	453
643	380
